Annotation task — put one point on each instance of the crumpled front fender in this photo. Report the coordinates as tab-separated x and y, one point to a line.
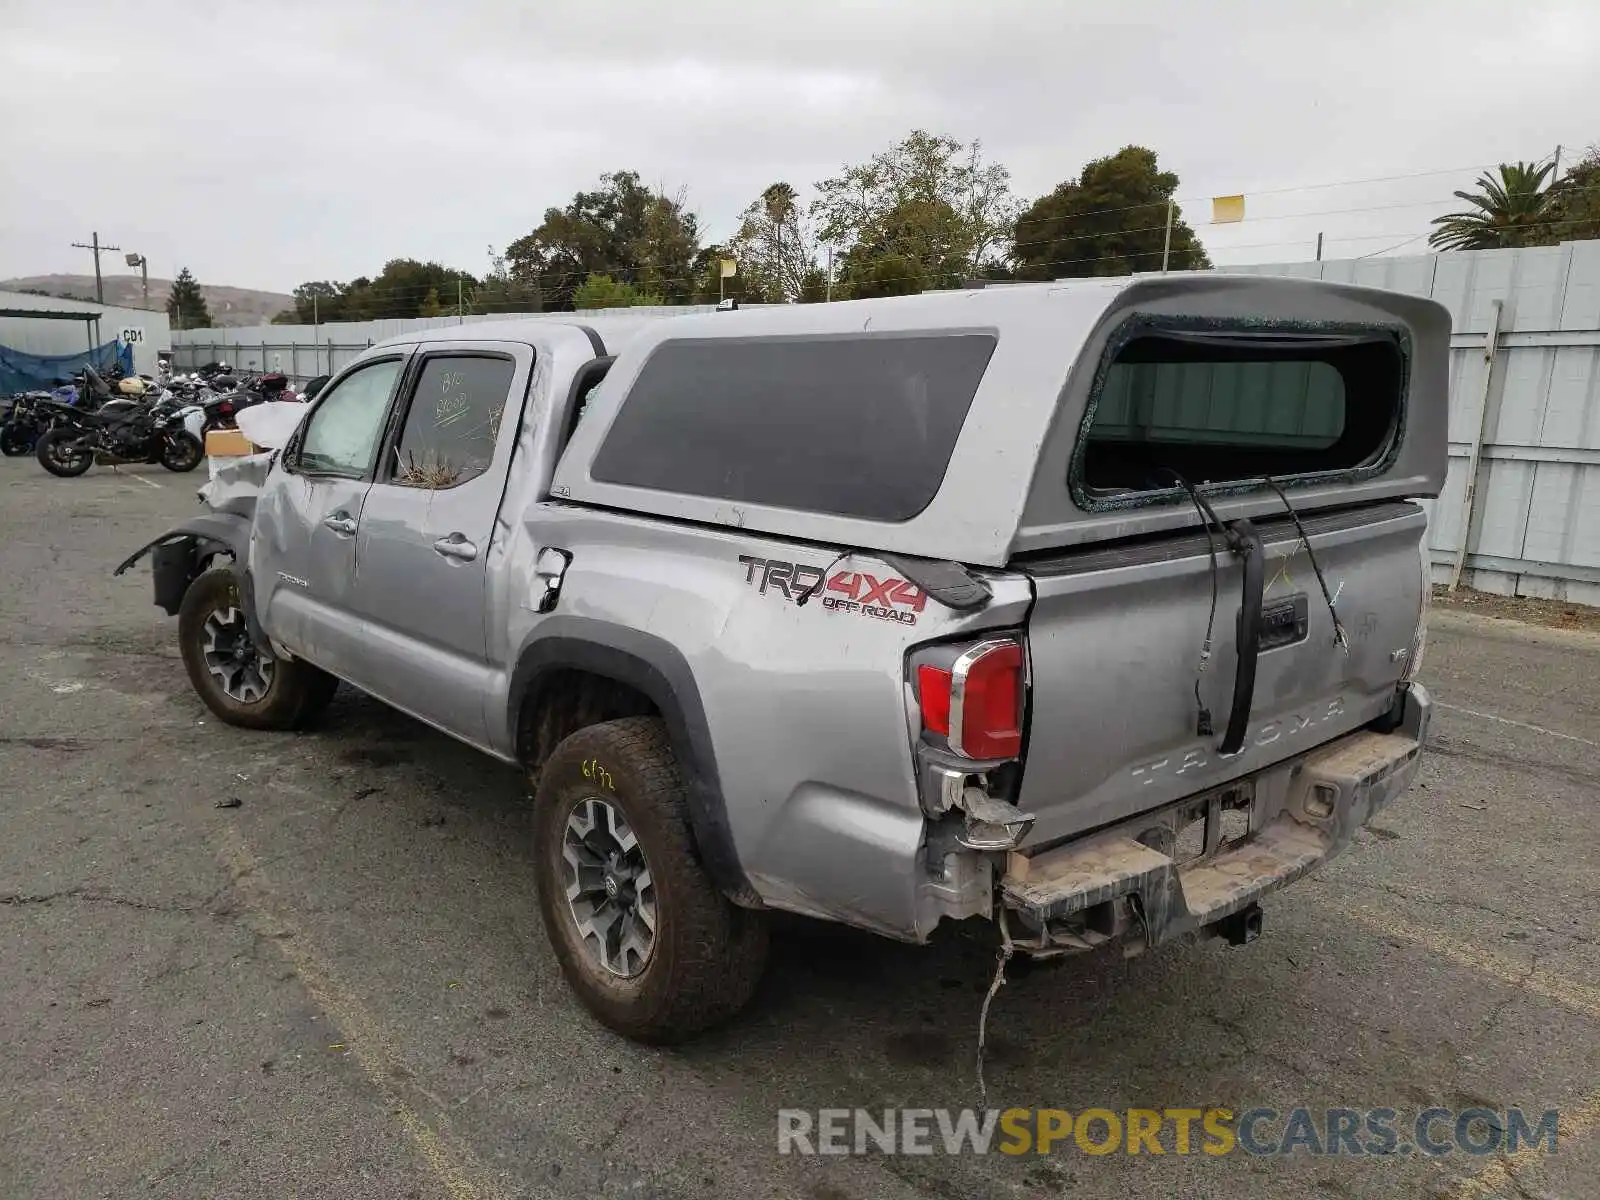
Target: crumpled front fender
180	554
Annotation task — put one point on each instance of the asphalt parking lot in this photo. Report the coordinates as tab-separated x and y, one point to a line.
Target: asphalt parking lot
340	987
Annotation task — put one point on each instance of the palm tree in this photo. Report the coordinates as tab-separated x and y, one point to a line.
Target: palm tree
1505	212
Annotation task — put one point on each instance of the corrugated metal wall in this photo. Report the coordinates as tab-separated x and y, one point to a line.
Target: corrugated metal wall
1530	409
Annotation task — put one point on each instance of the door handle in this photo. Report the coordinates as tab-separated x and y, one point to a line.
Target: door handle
456	546
340	522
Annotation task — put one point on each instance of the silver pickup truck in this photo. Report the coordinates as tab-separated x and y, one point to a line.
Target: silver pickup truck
1092	610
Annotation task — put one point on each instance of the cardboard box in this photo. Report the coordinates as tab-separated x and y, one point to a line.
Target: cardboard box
227	443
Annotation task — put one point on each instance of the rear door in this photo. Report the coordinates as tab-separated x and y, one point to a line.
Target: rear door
428	527
1138	647
303	541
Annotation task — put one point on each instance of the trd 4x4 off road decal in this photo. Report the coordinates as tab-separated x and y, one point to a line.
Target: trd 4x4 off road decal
888	598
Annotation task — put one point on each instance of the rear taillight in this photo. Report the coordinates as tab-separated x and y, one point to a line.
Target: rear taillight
975	704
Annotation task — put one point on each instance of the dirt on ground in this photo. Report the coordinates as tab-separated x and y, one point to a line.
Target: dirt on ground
1554	614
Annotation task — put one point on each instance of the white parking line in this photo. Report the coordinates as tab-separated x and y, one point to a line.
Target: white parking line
1472	712
147	482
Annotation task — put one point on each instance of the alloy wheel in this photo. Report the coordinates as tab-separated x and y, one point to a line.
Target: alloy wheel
609	887
242	672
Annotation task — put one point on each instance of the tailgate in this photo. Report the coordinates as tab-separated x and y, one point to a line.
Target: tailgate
1115	641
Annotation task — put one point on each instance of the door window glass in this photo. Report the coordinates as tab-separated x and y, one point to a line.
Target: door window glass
343	433
453	422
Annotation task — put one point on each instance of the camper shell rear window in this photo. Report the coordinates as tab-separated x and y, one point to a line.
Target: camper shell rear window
1227	403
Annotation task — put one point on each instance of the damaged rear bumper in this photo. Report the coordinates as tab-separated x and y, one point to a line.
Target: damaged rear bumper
1193	865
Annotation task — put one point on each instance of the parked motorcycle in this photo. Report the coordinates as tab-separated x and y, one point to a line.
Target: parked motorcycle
29	417
120	432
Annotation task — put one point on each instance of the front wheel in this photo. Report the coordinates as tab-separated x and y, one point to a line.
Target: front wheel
64	452
230	674
181	451
14	440
644	937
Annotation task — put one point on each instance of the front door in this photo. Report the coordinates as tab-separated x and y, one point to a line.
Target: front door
304	539
427	528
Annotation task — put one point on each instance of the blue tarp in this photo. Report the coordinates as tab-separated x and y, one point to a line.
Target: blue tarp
21	372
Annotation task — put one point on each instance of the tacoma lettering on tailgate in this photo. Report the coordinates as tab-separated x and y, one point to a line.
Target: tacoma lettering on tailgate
1200	757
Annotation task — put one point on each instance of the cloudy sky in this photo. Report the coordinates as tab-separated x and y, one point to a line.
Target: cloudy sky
267	143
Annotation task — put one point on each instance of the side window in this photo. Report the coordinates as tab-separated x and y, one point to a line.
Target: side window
342	434
589	378
453	421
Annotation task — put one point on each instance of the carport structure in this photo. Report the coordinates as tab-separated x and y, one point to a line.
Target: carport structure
91	320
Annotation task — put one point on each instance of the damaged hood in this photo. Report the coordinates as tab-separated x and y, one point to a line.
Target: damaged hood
236	482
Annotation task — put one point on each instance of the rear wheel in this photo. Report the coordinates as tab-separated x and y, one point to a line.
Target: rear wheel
238	683
14	441
64	452
644	937
181	451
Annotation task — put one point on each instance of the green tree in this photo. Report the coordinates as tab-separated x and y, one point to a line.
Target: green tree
1508	209
402	289
813	286
406	287
602	291
930	200
186	304
1110	220
315	301
1574	212
774	247
881	274
623	230
502	291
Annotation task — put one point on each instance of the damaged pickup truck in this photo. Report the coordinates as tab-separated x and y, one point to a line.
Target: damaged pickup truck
1092	610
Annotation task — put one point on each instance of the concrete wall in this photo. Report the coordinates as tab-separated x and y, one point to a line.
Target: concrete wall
68	337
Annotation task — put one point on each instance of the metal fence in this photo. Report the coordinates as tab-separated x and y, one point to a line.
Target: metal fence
1520	513
300	361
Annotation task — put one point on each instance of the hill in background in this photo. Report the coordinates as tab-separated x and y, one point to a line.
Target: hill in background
227	305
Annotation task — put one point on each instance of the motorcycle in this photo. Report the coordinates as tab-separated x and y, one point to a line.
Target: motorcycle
29	417
168	433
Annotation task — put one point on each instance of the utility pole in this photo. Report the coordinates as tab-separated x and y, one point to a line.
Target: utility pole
1319	245
1166	245
99	288
458	301
830	273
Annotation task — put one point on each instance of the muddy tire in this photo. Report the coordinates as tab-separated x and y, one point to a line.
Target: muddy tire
644	937
236	683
